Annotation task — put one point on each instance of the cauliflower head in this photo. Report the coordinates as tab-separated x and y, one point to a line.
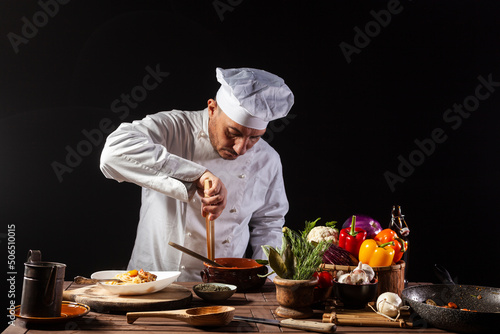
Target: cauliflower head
323	233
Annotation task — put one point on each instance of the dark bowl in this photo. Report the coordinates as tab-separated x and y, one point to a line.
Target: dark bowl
215	294
355	296
240	272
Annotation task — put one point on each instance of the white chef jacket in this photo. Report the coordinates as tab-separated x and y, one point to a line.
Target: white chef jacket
164	154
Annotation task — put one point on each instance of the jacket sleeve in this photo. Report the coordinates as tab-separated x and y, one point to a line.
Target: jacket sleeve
137	153
266	224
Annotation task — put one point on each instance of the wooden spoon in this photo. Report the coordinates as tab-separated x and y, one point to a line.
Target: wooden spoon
198	316
195	255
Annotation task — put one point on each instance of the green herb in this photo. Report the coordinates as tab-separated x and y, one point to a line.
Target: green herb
331	224
308	227
297	259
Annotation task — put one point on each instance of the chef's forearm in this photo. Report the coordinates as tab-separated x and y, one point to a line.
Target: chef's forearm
132	157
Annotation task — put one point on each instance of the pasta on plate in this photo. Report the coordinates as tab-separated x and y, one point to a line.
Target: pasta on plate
134	277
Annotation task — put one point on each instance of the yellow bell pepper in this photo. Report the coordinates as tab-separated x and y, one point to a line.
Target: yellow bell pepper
375	253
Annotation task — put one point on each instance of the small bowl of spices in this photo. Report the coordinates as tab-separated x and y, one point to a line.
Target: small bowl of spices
214	292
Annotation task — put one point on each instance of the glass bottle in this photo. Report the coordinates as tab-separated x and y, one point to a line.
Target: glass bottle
398	225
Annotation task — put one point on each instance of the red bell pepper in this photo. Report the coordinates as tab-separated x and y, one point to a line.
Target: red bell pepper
351	238
400	246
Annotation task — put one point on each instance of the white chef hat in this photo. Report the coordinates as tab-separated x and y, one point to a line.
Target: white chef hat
253	97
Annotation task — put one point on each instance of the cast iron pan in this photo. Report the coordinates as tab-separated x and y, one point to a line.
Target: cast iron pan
485	301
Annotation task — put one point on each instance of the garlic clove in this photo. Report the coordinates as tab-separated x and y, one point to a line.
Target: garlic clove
369	271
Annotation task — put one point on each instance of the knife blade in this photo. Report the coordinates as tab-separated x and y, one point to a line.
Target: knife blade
312	326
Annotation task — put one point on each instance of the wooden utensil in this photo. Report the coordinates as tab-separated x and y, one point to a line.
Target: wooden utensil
311	326
198	316
194	254
210	228
85	280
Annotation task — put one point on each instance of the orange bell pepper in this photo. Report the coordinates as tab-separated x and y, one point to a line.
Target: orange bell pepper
376	254
400	246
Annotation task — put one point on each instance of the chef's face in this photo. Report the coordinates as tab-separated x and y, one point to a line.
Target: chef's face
229	138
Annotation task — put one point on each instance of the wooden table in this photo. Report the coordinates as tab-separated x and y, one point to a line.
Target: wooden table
259	304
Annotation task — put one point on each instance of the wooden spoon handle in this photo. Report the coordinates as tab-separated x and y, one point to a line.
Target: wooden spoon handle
85	280
133	316
210	228
311	326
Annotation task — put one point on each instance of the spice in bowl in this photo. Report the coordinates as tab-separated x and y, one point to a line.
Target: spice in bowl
214	292
212	287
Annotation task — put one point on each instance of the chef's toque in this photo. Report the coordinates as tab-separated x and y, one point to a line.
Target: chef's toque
252	97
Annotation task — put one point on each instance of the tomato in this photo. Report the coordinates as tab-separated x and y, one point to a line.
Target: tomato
325	279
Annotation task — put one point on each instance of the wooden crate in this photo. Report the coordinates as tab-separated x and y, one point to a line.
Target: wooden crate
390	278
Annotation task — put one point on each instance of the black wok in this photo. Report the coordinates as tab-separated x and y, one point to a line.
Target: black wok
484	300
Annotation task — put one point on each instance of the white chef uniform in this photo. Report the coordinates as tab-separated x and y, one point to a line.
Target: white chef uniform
164	154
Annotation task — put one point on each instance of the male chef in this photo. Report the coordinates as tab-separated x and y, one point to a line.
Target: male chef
170	154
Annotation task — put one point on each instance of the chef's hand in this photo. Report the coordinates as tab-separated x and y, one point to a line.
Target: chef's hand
216	199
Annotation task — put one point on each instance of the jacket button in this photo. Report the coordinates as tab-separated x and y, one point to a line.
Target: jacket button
242	176
232	210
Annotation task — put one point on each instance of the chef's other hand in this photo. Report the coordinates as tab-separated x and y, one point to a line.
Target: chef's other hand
216	199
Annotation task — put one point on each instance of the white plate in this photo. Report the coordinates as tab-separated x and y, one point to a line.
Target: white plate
163	279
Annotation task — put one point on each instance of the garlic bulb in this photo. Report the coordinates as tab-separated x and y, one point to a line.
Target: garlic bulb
362	274
345	279
389	303
369	271
359	276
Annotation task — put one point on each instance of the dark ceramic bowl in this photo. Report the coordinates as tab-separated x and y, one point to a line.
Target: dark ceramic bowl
355	296
240	272
212	292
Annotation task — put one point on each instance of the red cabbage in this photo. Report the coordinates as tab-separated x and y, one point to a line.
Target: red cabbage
370	225
339	256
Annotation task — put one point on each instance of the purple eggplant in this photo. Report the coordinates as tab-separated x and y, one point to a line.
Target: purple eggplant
370	225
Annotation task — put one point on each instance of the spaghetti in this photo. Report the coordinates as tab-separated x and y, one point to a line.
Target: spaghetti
134	277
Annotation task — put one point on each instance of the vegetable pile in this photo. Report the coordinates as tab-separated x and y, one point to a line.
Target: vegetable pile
362	239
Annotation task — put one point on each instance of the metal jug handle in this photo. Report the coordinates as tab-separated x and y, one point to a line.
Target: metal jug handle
34	256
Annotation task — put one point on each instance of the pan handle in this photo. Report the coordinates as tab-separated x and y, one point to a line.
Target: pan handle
443	274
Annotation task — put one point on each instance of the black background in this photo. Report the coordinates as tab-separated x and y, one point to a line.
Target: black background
350	123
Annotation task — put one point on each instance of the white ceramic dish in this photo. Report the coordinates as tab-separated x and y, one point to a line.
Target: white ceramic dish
163	279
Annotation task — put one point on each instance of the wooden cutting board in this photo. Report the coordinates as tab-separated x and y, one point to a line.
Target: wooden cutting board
100	300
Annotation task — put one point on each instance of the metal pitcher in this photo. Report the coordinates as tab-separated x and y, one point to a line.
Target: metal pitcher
42	287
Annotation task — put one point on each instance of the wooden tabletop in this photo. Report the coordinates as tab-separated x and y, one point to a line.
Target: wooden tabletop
259	304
